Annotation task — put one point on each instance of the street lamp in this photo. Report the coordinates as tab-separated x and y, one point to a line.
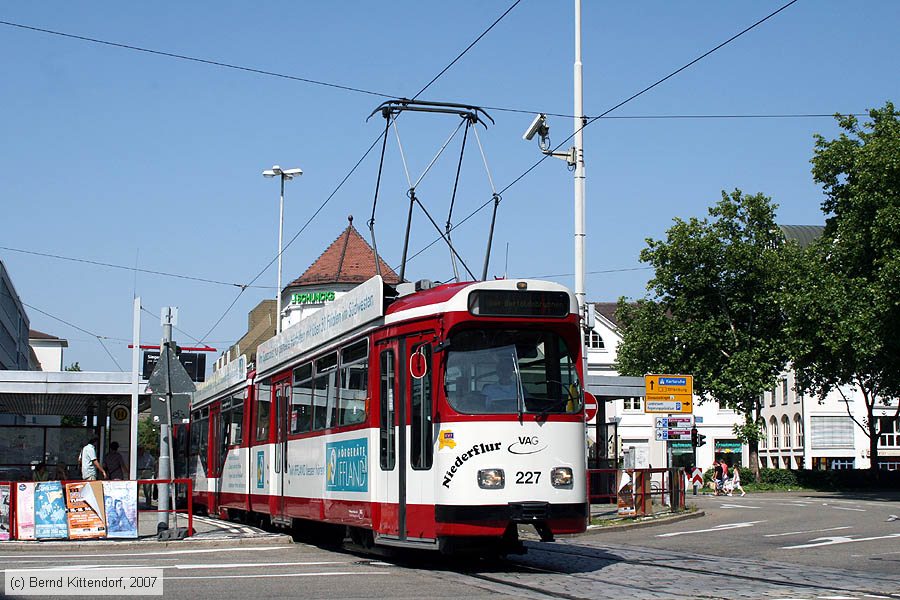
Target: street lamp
284	174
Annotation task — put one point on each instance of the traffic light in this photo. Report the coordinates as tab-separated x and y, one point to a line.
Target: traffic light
694	437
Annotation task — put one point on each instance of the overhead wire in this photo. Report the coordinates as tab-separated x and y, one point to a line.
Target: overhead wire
353	170
587	121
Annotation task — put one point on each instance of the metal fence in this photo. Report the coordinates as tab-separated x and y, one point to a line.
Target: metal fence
653	489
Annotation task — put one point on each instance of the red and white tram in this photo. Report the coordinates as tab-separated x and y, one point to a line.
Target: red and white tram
438	419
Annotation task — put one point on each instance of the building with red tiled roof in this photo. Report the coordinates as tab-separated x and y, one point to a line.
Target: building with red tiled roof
346	263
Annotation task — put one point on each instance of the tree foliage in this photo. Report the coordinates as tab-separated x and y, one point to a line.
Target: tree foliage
713	310
844	309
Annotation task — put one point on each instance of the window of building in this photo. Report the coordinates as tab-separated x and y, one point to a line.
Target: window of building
773	425
772	399
784	391
892	464
798	431
594	341
890	432
831	432
633	403
786	432
839	464
763	436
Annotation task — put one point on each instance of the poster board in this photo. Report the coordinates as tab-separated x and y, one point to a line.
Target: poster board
625	493
25	511
86	512
50	511
5	498
120	498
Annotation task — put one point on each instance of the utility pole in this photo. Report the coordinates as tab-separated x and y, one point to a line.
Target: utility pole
579	176
165	428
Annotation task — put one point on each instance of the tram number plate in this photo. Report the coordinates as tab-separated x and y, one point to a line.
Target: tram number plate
527	477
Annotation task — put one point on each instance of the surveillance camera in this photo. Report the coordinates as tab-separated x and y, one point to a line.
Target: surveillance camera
538	126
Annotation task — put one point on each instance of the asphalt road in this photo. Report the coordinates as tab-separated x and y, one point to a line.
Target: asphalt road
790	546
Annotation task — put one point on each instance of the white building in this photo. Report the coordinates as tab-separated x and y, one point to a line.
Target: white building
629	428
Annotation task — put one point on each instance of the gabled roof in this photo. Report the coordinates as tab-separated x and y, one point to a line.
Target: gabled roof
607	310
349	259
34	334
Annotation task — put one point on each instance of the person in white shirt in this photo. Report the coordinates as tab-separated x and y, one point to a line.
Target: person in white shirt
90	466
502	396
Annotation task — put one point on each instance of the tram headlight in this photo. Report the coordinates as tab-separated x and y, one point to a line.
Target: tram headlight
561	477
491	479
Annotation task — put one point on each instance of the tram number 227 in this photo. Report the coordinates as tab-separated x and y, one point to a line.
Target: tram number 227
527	477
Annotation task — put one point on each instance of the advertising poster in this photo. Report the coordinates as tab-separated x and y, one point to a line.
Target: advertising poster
626	494
50	511
347	465
25	511
4	511
121	508
86	511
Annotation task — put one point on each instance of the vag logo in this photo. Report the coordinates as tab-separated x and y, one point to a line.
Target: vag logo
526	444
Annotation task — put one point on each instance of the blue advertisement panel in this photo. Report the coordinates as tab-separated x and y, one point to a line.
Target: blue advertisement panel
50	511
347	466
121	508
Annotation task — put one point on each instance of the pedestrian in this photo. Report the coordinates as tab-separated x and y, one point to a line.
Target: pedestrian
114	463
90	466
61	473
717	475
40	472
736	480
146	465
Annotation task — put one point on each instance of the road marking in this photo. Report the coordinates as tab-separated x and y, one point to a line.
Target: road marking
83	567
837	597
810	531
829	541
847	508
724	527
737	506
94	555
273	575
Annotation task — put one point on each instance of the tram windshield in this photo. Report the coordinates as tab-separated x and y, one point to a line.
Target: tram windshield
508	371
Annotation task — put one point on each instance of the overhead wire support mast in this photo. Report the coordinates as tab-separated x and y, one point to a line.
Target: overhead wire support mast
470	115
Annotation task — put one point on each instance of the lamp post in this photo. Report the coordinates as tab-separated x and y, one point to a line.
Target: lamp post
285	175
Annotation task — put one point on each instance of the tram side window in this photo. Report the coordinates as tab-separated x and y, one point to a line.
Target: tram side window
199	445
387	447
325	391
354	379
422	447
263	404
301	399
237	420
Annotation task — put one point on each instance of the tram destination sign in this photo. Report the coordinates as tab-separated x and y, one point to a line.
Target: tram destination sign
518	303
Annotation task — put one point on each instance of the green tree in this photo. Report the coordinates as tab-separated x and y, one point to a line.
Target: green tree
713	310
74	367
148	435
844	311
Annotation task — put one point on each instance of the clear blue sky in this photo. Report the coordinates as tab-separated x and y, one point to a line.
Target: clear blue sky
129	158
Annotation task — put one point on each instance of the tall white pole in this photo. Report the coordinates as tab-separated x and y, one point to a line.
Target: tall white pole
135	388
579	167
280	232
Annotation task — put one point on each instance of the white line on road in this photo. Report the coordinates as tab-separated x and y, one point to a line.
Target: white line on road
273	575
847	508
724	527
829	541
737	506
810	531
82	567
168	552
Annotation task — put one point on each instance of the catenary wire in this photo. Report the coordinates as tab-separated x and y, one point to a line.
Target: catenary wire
126	268
205	61
606	112
349	174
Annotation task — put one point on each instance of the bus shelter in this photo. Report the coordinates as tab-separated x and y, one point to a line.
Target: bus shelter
46	416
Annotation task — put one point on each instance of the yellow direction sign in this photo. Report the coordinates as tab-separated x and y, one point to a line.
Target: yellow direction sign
669	394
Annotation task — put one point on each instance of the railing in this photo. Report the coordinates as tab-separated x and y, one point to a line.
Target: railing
12	520
660	487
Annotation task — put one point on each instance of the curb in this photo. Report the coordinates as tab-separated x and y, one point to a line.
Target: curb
664	520
51	545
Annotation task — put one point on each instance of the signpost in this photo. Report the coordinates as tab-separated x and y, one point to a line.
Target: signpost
669	394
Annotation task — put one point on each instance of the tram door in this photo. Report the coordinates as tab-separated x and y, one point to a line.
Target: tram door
416	443
282	405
